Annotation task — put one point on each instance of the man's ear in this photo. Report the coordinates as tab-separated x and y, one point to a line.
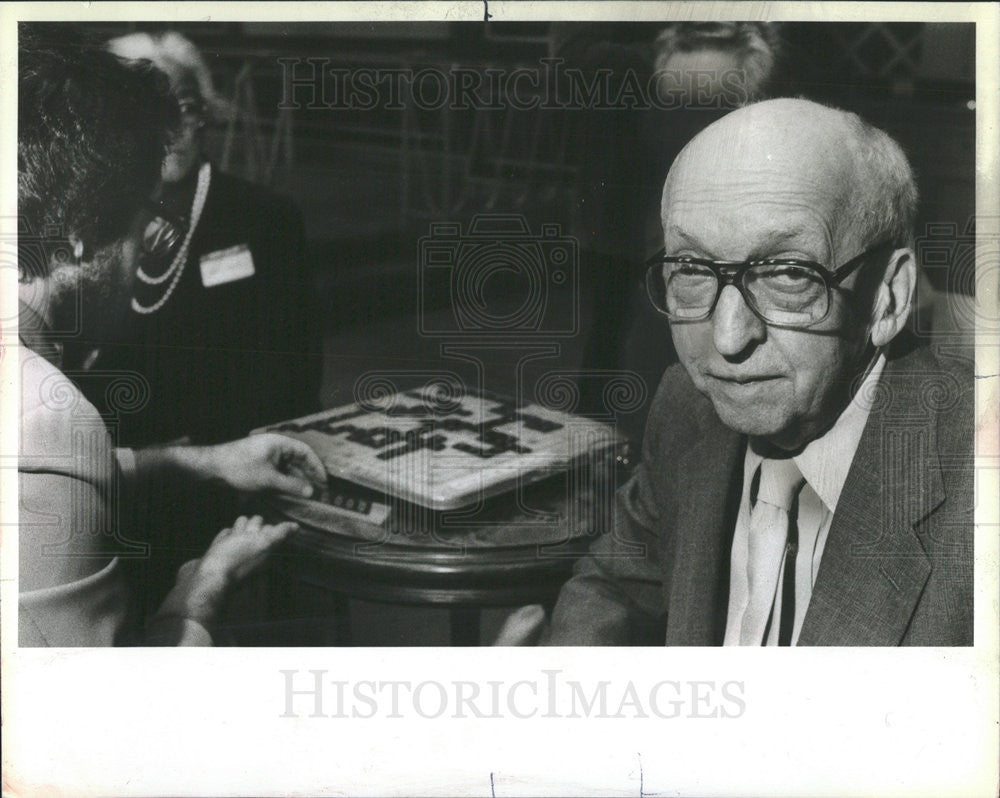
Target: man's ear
894	297
64	257
77	244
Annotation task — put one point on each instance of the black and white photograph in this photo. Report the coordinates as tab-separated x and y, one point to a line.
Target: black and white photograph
488	397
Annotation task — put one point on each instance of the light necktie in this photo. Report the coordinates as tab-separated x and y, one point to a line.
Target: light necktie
780	481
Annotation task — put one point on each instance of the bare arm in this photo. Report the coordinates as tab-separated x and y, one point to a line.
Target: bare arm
258	463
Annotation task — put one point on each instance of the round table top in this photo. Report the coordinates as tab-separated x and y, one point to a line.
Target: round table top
517	548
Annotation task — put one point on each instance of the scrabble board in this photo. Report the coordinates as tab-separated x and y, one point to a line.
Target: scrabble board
446	453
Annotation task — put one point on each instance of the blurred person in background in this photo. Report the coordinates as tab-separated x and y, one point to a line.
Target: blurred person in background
699	71
222	330
222	325
91	139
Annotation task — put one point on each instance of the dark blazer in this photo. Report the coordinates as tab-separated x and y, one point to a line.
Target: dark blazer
222	360
898	563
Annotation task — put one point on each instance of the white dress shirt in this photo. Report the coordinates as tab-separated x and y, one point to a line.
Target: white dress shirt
824	463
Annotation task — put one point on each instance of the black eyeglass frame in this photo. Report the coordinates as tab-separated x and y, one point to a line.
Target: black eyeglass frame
732	273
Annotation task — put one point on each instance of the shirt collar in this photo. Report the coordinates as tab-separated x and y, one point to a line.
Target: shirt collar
825	461
36	334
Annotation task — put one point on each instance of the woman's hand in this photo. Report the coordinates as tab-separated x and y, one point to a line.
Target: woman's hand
236	552
239	550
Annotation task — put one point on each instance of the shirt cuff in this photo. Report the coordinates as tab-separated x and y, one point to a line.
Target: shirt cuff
126	464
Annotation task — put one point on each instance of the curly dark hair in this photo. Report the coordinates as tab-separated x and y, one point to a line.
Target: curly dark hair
91	136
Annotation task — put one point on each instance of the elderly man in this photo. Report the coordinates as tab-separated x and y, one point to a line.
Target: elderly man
91	136
806	476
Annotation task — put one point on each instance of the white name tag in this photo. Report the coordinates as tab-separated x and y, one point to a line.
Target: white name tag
226	266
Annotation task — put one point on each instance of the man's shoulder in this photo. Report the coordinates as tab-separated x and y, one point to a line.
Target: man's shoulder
915	357
53	414
46	392
680	413
927	397
928	383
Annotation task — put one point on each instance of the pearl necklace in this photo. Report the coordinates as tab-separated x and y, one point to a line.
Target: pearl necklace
176	268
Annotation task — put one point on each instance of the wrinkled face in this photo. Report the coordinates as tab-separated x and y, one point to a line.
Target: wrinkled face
756	187
184	152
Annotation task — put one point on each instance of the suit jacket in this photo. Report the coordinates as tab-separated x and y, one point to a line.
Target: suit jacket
898	563
221	360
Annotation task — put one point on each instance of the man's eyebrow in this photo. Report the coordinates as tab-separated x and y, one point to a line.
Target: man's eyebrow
688	239
770	240
767	241
779	235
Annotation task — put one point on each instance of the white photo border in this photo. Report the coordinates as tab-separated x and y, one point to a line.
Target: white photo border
843	721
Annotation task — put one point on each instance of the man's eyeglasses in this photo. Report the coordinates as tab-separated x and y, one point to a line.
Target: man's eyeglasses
783	292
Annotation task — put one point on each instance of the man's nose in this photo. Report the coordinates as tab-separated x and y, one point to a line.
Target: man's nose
734	326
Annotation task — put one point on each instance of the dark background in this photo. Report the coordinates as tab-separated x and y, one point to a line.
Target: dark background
369	182
372	179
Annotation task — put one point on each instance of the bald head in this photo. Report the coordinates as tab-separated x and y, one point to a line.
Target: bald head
826	161
788	180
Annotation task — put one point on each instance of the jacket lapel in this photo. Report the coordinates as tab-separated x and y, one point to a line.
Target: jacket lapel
874	567
709	482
